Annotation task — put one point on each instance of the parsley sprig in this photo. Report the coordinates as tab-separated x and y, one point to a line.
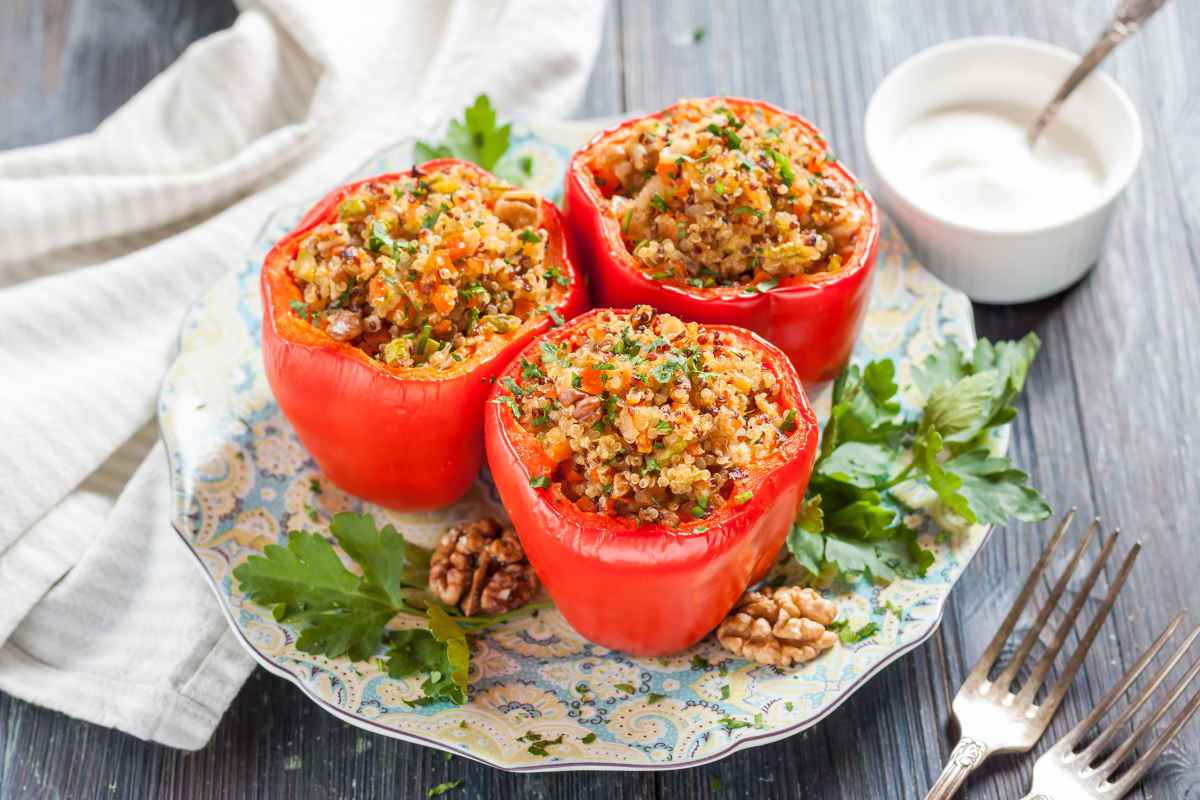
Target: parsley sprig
872	454
478	139
339	613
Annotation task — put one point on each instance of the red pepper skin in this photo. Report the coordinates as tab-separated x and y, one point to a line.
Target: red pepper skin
815	322
410	439
649	590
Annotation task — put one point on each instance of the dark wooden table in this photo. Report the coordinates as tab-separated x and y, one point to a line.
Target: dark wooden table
1111	413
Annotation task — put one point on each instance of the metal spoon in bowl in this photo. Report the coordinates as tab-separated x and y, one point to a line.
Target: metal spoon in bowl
1129	17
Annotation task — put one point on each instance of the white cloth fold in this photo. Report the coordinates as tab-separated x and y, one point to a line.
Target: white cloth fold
108	237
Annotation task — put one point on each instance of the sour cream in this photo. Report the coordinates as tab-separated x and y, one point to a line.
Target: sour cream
971	165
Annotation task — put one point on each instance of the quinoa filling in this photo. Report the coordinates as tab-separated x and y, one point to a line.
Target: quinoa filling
650	418
425	269
715	194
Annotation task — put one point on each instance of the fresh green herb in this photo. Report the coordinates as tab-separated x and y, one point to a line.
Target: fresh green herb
552	312
701	507
741	498
625	687
476	138
662	426
512	386
732	724
314	485
699	663
506	400
530	371
588	738
658	202
540	482
529	237
763	286
732	140
526	165
788	424
654	697
553	273
748	210
442	788
628	218
339	613
852	521
853	637
719	187
550	354
789	705
786	174
300	310
538	744
725	691
698	34
430	219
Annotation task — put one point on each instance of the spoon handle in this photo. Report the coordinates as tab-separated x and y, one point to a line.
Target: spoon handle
1129	17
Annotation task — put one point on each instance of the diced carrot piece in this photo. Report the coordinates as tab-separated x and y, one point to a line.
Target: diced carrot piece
592	381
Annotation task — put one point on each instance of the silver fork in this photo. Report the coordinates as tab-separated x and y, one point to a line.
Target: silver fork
993	719
1065	772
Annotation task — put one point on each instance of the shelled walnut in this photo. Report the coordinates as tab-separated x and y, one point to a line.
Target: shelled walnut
780	627
481	567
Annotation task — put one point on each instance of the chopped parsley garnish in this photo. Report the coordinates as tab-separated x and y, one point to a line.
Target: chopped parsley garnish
540	482
444	787
749	210
788	424
786	174
725	691
588	738
658	202
553	273
506	400
300	309
526	165
529	237
550	354
853	637
732	724
430	219
662	426
654	697
699	663
742	498
512	386
530	371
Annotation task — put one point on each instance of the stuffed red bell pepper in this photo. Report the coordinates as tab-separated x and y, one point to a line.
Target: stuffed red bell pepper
388	313
652	469
734	212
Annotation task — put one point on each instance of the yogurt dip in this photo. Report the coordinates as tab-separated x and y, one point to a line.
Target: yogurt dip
971	165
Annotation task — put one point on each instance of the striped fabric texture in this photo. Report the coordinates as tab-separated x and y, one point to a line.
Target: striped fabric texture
107	239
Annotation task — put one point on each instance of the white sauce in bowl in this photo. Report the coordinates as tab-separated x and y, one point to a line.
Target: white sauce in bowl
972	166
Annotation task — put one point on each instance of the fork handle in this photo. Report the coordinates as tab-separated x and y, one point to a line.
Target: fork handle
967	756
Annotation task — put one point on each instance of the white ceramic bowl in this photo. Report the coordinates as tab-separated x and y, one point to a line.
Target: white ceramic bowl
1002	266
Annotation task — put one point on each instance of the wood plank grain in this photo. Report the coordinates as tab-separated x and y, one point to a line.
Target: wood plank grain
1108	420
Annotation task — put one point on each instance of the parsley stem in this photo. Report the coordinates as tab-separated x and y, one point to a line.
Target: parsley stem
902	476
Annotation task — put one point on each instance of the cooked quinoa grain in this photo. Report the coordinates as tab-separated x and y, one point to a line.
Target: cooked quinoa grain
649	418
720	193
424	269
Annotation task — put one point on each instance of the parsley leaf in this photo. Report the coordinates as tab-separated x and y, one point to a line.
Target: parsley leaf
852	522
444	787
475	138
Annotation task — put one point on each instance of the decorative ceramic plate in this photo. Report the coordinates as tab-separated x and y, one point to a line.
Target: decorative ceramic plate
241	480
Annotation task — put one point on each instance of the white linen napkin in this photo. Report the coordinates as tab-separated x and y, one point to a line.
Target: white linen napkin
108	237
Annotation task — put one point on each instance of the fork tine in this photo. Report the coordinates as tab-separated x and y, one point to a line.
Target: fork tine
1029	690
1067	743
1005	678
984	664
1089	754
1139	767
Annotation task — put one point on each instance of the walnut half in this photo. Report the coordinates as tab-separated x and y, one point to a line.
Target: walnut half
481	567
780	627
